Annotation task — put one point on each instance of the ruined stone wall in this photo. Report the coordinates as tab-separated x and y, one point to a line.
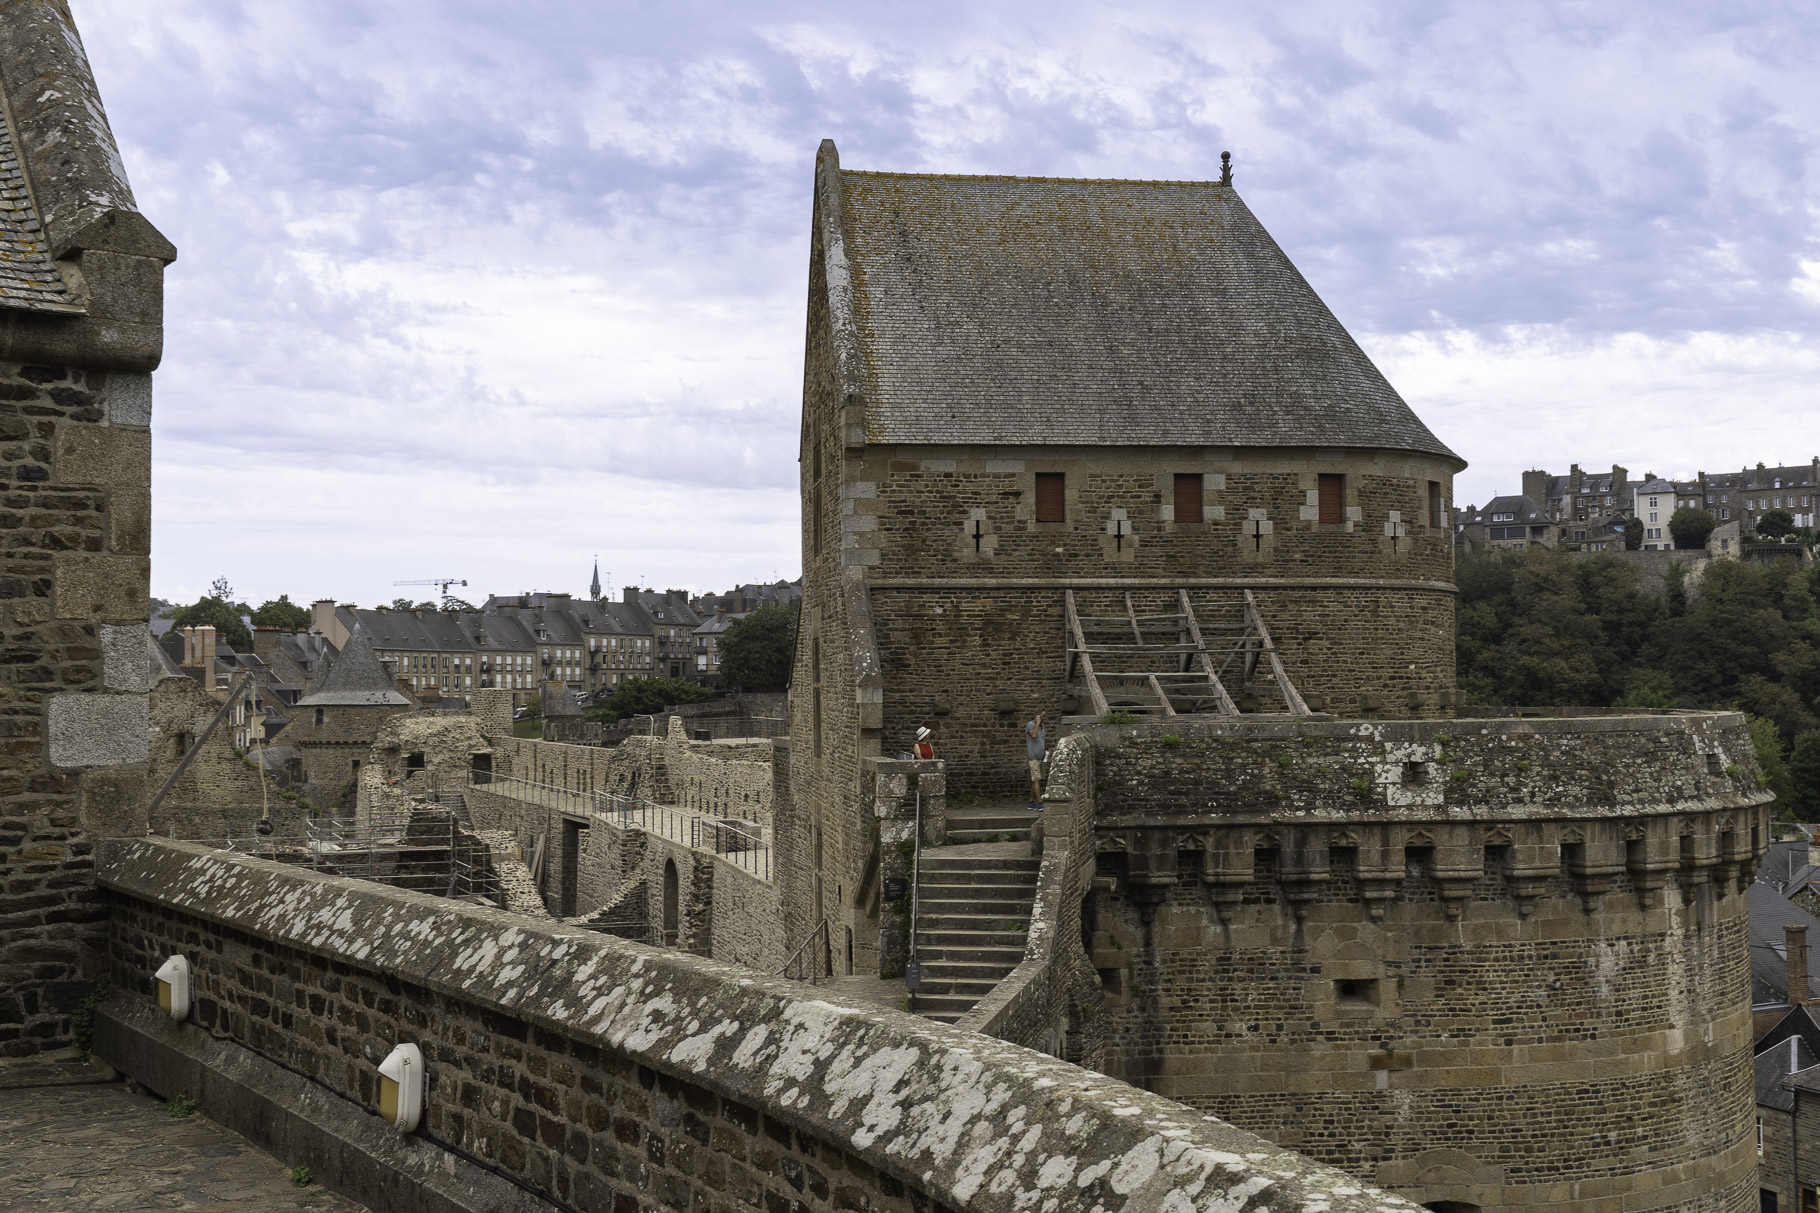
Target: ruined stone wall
220	792
718	778
1498	962
610	1076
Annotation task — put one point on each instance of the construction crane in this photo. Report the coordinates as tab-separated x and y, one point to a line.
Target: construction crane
442	584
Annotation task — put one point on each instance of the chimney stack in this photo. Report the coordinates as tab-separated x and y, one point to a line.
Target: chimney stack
1795	941
205	653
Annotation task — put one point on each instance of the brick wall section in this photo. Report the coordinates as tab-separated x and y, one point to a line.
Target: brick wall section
1354	939
618	1077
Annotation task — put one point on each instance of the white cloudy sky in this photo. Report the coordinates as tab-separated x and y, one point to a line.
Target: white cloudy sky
483	289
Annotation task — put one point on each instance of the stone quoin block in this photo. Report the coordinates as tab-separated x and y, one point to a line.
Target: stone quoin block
101	587
97	730
128	398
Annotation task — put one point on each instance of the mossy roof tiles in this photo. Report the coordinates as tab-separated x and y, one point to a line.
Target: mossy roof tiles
28	277
1045	311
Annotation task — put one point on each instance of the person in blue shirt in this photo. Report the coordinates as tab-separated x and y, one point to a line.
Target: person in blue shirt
1036	749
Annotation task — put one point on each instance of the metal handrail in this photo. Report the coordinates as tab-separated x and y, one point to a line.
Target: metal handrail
821	932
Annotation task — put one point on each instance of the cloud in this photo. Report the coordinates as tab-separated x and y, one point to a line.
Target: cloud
520	284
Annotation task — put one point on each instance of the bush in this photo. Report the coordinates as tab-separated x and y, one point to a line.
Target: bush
1691	526
756	652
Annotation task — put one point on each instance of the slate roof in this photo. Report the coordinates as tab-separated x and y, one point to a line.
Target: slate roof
1524	509
354	678
1769	913
28	277
1787	1057
1034	311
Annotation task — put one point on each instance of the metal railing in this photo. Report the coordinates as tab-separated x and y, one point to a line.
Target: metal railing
423	849
741	843
809	963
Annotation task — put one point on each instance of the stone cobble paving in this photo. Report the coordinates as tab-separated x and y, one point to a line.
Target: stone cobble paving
76	1139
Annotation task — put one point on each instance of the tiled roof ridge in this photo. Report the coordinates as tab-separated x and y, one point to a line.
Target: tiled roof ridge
861	172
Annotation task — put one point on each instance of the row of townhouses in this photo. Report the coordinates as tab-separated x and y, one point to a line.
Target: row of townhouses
525	642
1589	510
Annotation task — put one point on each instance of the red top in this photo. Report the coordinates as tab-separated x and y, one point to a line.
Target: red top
924	750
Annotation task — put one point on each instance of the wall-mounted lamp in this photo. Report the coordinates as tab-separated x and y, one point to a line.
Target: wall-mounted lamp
401	1087
174	987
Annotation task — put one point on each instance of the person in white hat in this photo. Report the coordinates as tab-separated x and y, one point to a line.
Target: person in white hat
925	749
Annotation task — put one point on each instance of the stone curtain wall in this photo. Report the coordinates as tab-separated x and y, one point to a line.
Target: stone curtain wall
1360	939
613	1076
976	662
724	911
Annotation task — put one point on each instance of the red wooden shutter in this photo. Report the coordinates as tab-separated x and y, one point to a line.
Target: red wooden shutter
1051	502
1187	497
1329	497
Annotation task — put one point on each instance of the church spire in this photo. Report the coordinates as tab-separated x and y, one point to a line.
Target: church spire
594	589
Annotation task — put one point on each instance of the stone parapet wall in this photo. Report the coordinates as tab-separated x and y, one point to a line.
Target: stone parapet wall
611	1075
717	778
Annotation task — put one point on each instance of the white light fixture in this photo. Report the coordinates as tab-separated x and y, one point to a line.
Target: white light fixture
174	987
401	1087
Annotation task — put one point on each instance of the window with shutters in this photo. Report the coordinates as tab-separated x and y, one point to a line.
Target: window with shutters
1330	492
1434	503
1188	497
1051	501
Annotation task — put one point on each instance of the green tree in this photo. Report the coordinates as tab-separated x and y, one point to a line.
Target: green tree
1804	775
1774	774
644	696
218	613
1691	526
1542	628
452	603
1633	534
756	652
281	612
1773	524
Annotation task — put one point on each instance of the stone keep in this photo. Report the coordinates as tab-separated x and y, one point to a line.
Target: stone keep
80	333
1489	962
1145	352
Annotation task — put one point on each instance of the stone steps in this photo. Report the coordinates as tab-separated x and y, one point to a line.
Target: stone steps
973	917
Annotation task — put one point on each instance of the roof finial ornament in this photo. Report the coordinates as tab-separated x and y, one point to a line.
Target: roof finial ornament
1225	168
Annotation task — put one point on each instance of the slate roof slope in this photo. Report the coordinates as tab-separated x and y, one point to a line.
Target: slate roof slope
28	277
1790	1057
355	678
1013	310
1770	912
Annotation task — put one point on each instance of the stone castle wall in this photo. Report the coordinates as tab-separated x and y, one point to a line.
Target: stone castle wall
1498	962
609	1075
975	662
75	532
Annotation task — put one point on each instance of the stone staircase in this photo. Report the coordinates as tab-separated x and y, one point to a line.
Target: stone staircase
974	913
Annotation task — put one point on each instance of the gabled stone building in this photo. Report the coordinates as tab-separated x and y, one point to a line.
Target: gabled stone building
334	724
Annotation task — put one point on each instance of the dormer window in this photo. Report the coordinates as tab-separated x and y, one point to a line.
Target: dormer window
1503	517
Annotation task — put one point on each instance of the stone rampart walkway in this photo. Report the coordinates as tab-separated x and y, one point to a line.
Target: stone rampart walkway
76	1139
